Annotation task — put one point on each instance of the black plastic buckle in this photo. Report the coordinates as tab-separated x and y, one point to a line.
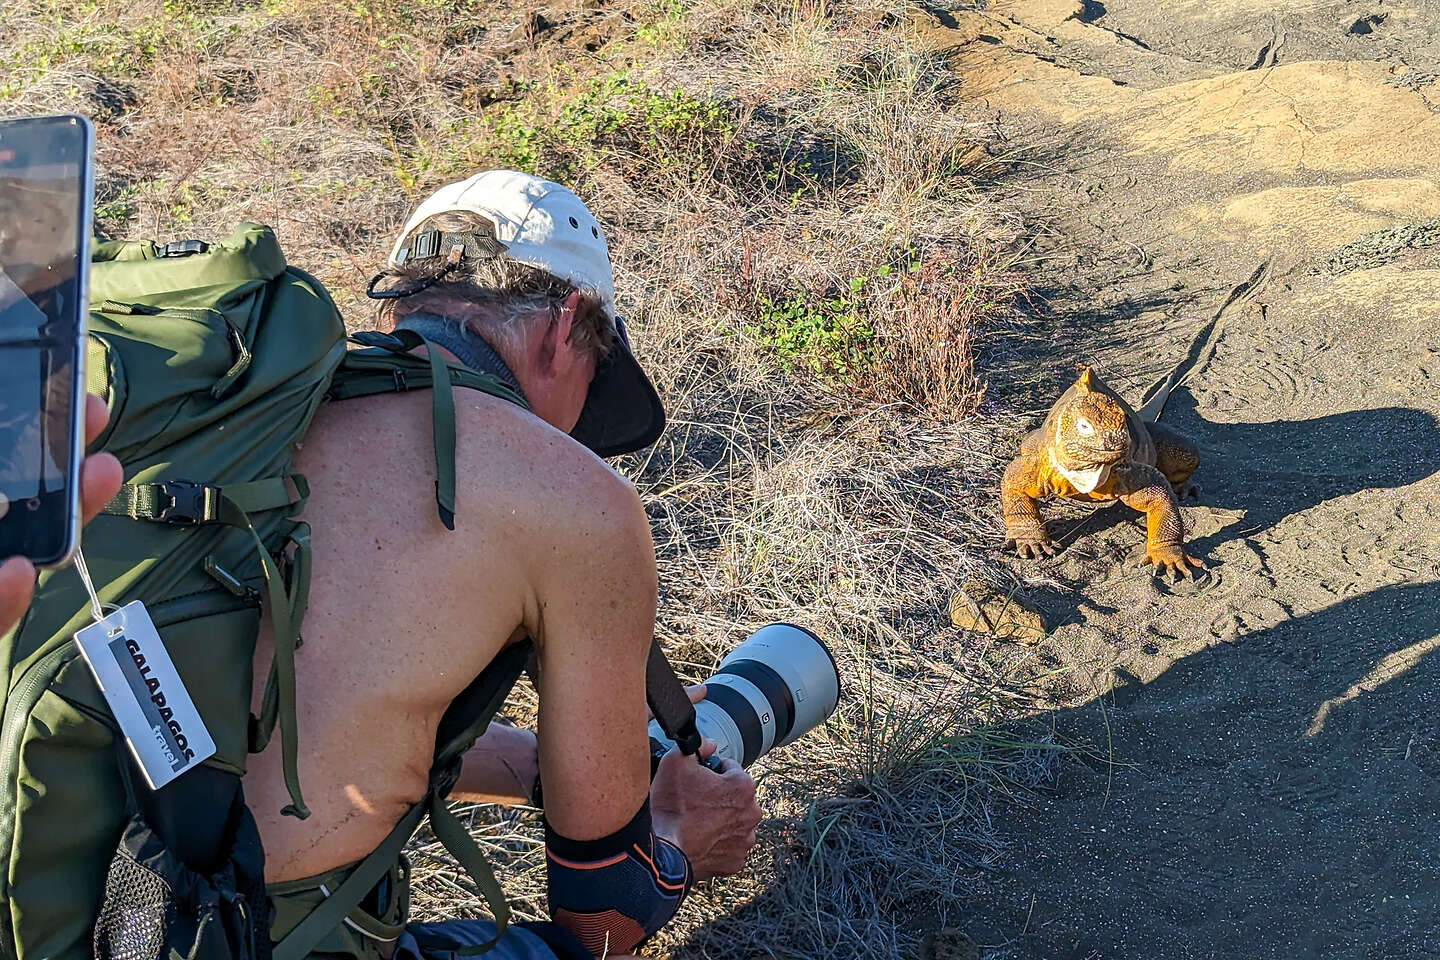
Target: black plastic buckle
190	503
182	248
375	338
427	245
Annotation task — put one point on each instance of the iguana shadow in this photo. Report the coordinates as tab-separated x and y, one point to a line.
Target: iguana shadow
1274	469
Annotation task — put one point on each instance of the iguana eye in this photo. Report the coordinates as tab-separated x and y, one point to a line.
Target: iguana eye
1084	427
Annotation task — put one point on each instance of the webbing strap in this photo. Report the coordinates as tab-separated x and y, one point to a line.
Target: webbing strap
308	933
263	726
323	919
271	493
442	425
283	666
300	576
442	411
188	503
456	839
170	502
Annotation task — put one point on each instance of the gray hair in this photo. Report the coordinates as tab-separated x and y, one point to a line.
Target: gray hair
496	298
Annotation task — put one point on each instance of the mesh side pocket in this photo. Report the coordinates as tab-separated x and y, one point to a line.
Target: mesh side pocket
136	913
156	907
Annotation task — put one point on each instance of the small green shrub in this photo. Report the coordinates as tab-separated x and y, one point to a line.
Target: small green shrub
566	127
827	335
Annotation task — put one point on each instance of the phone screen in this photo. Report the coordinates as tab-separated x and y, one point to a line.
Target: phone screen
44	225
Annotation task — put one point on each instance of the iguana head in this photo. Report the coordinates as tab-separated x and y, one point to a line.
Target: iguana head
1091	429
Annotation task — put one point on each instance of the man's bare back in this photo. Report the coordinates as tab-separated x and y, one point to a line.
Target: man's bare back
403	614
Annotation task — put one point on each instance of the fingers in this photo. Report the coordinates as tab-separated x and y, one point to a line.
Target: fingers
732	770
707	747
696	692
100	475
17	581
96	416
100	479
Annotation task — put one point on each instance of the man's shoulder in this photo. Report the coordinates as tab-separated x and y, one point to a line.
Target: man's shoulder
556	475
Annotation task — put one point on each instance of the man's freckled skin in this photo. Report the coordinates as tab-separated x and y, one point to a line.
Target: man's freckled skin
425	611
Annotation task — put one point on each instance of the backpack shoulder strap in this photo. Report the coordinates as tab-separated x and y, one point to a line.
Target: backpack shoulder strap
378	368
388	367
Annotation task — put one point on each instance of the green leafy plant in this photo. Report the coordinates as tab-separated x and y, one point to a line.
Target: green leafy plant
827	335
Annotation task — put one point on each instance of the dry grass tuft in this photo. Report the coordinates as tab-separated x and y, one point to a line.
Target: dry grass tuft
798	250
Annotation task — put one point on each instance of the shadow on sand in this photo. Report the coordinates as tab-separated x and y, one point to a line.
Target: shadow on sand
1278	798
1270	798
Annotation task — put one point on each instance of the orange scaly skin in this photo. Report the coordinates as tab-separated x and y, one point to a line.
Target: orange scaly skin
1093	447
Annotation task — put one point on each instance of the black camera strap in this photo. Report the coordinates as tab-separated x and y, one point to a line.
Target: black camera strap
669	701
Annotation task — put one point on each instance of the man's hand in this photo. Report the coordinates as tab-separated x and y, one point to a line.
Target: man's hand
100	479
710	816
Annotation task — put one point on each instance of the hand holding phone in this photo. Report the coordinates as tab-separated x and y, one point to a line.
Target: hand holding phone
100	479
46	187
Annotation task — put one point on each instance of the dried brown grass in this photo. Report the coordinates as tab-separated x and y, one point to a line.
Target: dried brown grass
825	150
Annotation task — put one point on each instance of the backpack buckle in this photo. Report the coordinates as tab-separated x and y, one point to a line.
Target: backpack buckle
182	248
190	503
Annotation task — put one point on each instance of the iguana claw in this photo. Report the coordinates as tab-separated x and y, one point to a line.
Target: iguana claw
1172	562
1031	549
1187	492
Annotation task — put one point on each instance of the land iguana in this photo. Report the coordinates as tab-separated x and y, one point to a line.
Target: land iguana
1093	447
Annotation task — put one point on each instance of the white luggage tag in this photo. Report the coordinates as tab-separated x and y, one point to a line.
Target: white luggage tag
143	688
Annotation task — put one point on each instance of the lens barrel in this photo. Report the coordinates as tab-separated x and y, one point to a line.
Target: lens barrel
772	689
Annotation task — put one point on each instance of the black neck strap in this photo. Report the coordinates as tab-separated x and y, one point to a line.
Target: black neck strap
470	348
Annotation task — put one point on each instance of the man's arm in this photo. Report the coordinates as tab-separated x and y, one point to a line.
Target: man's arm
501	768
504	765
595	597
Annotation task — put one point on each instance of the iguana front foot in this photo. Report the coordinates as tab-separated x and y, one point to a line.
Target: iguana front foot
1171	561
1031	547
1187	491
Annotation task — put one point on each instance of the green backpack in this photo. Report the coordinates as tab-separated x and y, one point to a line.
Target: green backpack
213	360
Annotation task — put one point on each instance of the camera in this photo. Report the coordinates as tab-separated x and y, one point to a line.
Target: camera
775	687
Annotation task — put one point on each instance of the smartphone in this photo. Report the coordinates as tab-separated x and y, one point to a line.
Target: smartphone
46	193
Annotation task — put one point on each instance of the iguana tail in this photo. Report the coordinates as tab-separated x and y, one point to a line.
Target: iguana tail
1202	347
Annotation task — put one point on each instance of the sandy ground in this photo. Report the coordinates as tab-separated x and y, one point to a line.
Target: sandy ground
1261	772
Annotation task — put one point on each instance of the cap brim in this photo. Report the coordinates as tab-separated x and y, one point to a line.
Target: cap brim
622	411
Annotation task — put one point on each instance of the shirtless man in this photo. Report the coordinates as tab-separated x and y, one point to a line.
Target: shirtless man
550	543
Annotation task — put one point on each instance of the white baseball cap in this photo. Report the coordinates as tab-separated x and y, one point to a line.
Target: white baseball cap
543	224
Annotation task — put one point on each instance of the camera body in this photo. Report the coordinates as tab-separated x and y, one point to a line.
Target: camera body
773	688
